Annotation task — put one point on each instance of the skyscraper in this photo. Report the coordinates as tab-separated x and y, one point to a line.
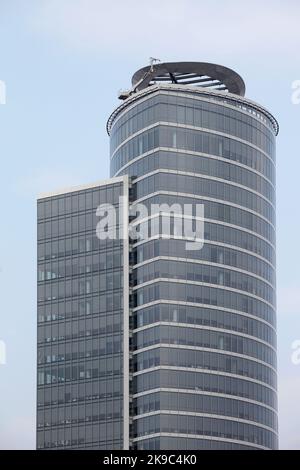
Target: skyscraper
144	342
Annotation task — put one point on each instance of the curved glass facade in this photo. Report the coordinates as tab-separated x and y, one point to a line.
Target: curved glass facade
203	321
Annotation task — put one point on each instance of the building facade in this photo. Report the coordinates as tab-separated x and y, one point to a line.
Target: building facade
196	364
82	316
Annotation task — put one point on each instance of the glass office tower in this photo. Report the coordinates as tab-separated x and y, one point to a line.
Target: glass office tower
204	321
143	343
82	382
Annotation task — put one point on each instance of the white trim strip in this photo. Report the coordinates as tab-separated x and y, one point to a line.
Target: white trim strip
205	177
200	348
206	415
202	262
192	128
202	437
203	392
211	307
195	154
204	284
203	327
160	236
219	222
202	371
196	196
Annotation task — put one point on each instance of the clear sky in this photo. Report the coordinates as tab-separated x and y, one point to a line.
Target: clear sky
63	62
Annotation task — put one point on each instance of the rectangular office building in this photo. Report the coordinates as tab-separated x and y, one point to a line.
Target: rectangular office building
82	315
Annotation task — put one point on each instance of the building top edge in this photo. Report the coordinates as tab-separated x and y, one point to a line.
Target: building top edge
83	187
209	93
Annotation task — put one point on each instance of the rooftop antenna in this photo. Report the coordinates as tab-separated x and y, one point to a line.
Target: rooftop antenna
152	62
124	94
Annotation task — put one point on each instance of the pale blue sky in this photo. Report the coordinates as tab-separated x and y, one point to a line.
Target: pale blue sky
63	62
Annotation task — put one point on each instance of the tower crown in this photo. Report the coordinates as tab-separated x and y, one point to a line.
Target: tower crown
200	74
